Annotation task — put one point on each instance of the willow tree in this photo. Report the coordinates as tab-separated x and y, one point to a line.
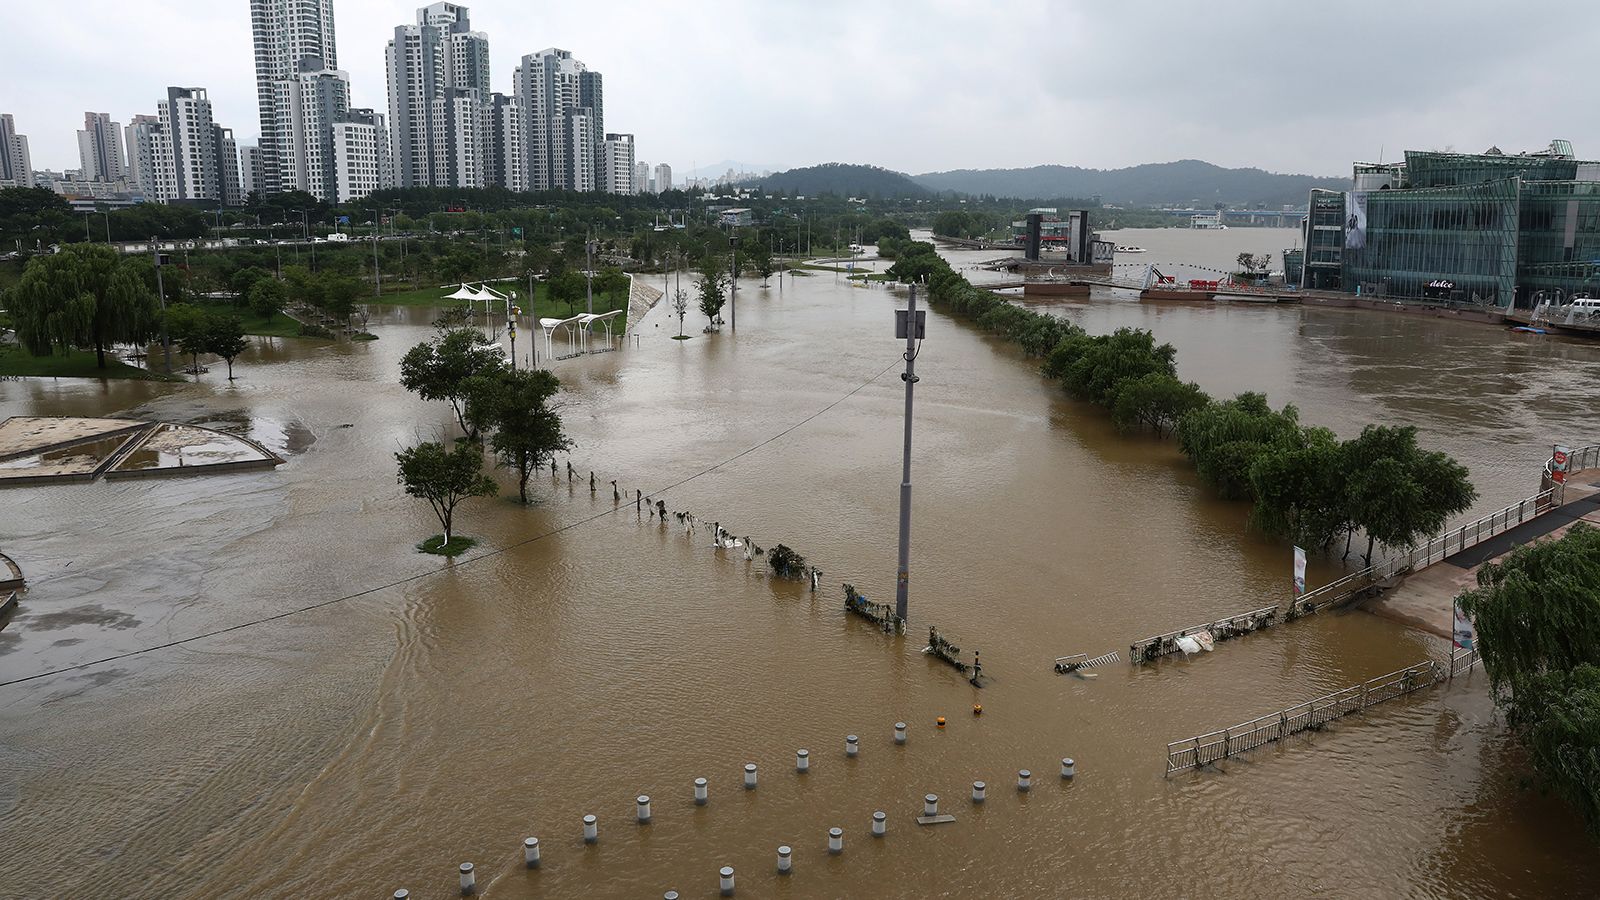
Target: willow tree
1537	615
88	297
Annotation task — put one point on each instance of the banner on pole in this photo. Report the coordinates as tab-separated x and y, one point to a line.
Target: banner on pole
1299	571
1558	464
1461	630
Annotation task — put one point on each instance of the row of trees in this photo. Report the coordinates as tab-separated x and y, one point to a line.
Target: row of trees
195	331
1305	484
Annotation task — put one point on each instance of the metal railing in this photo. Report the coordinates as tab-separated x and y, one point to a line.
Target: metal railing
1205	749
1462	660
1222	629
1580	458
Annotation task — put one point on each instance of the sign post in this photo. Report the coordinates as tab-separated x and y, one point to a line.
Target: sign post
1558	464
1299	572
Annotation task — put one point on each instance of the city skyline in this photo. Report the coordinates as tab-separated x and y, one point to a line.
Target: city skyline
1103	88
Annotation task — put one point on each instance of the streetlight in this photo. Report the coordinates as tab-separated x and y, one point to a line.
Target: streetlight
911	325
733	282
589	247
511	329
377	276
161	293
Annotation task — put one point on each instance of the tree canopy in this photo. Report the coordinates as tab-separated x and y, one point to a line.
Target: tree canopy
87	297
439	369
514	405
444	478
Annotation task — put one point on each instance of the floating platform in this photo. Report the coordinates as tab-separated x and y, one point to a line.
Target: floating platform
1054	289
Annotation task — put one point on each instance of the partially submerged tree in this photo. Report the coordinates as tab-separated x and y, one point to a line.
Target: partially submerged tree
515	405
713	289
439	369
225	337
680	307
84	297
1399	493
444	478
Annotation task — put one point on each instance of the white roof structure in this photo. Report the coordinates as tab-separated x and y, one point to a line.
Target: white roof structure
481	292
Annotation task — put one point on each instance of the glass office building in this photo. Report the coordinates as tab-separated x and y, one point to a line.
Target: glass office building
1486	229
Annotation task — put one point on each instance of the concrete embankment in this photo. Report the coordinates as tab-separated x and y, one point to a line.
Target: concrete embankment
641	297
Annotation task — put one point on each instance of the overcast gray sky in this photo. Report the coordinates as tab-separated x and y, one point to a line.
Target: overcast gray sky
913	86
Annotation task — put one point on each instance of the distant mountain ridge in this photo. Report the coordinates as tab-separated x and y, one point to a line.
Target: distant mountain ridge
845	179
1184	182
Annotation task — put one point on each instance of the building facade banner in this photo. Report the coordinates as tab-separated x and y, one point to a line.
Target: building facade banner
1355	225
1299	571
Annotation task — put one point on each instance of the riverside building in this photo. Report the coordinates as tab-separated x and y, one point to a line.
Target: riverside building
1490	229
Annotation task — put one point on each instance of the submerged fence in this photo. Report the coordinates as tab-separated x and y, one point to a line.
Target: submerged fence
1205	749
1346	588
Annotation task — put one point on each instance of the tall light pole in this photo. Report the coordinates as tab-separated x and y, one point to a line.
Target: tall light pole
161	293
588	255
911	325
377	275
733	282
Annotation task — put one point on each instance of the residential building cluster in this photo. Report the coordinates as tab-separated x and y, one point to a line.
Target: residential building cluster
445	126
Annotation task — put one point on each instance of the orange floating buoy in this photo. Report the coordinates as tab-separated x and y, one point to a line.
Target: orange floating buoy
940	721
977	709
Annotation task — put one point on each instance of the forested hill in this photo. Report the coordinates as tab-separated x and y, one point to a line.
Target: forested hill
1185	182
843	179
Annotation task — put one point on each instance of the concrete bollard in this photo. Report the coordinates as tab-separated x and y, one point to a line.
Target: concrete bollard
978	788
1024	780
835	840
802	760
899	732
749	776
699	792
1067	767
785	864
643	802
852	745
880	823
930	805
402	894
670	895
469	880
591	829
530	852
726	880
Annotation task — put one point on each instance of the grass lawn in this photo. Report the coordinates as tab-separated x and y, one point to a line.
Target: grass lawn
433	296
457	546
279	325
15	361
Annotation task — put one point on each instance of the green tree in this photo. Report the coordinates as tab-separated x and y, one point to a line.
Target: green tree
680	307
515	405
712	288
1156	401
439	369
225	337
339	293
187	326
1301	490
1091	367
444	478
243	279
267	297
86	296
761	262
1400	493
1537	617
1224	439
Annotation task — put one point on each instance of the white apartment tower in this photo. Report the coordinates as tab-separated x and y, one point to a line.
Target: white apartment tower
229	183
16	169
641	178
616	165
249	169
100	155
285	34
308	102
663	179
185	153
360	155
564	118
141	136
434	69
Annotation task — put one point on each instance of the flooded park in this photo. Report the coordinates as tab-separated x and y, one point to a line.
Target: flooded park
391	715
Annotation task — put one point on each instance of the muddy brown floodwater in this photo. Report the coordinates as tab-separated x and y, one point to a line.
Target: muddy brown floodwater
374	743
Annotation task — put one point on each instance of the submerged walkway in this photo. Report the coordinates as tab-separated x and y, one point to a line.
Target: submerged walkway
1426	599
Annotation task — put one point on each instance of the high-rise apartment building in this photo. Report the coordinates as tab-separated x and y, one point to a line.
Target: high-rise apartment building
562	135
229	187
140	136
249	170
641	178
16	169
185	154
100	155
436	68
286	33
616	165
663	179
308	102
506	160
360	155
